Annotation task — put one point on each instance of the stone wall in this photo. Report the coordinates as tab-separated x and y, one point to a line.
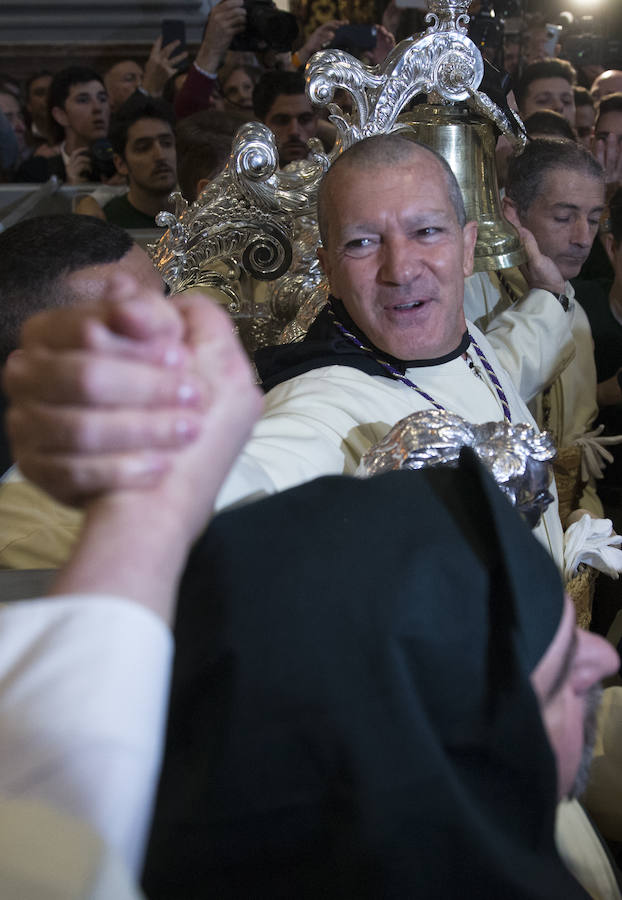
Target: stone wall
51	34
50	21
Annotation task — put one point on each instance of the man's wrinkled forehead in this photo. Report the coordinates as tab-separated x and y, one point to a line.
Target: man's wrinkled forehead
587	188
360	172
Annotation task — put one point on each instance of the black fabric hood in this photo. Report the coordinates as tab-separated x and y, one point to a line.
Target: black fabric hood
351	712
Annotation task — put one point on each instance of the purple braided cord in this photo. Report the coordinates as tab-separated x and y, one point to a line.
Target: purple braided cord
394	372
491	374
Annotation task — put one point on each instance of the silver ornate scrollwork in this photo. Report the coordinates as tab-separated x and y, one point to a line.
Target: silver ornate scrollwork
242	223
443	62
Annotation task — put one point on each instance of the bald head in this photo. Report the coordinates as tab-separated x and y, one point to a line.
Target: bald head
610	82
382	152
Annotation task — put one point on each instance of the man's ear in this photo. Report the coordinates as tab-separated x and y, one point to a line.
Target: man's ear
324	261
469	233
59	115
120	164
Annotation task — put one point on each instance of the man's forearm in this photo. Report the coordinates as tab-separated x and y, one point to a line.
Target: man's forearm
130	548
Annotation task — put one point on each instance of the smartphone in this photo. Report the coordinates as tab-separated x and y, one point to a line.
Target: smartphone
552	38
356	37
174	30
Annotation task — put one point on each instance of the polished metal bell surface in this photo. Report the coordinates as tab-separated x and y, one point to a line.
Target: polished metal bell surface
467	142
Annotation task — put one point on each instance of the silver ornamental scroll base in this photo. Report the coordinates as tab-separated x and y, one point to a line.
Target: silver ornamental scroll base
518	457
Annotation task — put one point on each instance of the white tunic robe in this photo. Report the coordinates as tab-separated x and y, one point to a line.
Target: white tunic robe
322	422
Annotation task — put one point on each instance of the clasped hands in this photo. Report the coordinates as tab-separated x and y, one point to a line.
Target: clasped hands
139	398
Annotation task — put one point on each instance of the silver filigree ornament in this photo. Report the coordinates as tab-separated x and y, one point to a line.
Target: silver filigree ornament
242	224
518	457
443	63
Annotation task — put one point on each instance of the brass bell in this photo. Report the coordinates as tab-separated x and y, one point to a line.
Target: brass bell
467	142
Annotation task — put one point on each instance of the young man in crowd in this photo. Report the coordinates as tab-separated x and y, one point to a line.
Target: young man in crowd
79	115
280	102
547	85
143	141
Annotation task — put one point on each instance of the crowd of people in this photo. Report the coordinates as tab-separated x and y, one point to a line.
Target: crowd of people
344	686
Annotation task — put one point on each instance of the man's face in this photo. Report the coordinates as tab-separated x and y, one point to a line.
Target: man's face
610	82
564	217
564	682
511	57
86	112
537	45
38	99
150	159
91	283
9	105
549	93
609	123
584	125
121	81
293	122
397	257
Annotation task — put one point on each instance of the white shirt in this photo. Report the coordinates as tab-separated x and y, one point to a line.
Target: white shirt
83	696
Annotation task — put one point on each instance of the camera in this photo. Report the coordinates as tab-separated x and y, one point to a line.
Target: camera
266	27
102	164
486	31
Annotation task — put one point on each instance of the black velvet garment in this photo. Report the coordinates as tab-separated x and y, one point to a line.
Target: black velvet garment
351	713
324	345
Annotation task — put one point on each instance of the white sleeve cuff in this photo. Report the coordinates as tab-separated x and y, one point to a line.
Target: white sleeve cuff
207	74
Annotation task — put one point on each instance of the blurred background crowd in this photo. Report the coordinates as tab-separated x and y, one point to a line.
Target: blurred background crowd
125	131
